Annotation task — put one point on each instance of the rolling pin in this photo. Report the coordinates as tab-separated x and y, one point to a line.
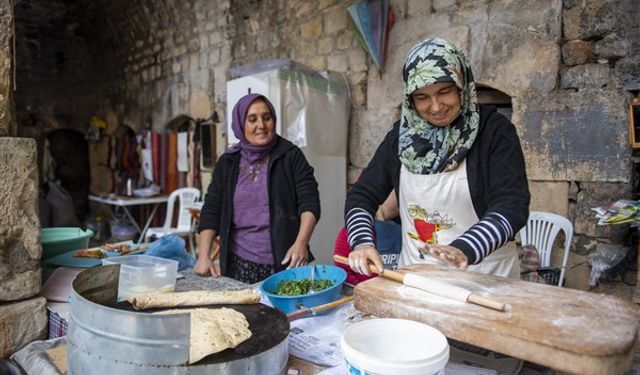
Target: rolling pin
306	311
434	287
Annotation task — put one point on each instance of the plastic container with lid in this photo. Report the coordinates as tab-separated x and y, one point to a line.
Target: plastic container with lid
394	346
142	274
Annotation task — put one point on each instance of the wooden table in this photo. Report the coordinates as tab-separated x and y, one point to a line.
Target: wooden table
568	330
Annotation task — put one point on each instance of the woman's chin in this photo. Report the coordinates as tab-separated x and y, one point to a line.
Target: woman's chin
260	142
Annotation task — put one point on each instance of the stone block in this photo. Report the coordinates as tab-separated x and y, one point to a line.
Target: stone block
318	63
549	196
577	272
344	40
576	52
303	8
586	76
626	73
21	323
322	4
359	95
335	19
357	60
16	286
558	131
531	63
175	67
311	29
367	130
611	46
357	78
595	194
418	7
591	20
194	62
215	38
337	62
439	5
214	56
19	222
325	46
528	15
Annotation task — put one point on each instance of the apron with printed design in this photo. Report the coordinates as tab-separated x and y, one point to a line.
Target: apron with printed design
438	209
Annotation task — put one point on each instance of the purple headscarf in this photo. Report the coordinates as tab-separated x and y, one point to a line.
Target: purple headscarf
238	117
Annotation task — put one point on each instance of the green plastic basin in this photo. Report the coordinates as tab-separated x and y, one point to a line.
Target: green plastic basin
61	240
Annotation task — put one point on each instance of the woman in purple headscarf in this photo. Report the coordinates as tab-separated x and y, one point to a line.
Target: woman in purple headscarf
263	200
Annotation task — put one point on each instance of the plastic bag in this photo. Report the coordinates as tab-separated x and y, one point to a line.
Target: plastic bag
61	206
606	257
172	247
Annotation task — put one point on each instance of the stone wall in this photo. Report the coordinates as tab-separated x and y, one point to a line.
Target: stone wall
23	315
58	82
6	38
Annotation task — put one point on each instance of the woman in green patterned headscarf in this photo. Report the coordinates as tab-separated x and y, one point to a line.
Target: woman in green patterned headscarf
432	141
456	166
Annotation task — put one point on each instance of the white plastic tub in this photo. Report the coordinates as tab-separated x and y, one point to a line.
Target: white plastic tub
142	274
394	347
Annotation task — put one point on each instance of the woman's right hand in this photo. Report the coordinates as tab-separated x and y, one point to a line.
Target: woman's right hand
204	266
362	256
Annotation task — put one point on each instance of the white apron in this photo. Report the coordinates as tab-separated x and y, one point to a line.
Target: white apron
449	212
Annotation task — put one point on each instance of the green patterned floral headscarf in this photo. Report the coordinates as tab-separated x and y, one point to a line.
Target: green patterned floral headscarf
425	148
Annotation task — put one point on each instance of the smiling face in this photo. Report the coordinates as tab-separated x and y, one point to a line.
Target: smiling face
259	124
438	103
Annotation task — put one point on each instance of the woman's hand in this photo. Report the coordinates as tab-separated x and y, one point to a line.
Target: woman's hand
360	257
449	254
204	266
296	256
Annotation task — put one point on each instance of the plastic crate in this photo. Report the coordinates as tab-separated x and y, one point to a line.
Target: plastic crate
550	275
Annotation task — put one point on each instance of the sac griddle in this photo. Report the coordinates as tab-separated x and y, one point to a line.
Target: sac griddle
268	327
106	337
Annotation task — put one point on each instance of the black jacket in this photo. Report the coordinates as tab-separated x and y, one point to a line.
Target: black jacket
292	190
495	170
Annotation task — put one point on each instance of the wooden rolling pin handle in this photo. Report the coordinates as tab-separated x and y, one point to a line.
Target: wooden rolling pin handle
333	304
479	300
388	274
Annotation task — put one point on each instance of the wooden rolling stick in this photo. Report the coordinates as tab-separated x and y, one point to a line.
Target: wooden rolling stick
434	287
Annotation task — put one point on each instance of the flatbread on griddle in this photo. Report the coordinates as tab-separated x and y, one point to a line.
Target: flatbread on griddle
194	298
213	330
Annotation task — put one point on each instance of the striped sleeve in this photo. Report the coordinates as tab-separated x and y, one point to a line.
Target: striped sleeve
359	225
490	233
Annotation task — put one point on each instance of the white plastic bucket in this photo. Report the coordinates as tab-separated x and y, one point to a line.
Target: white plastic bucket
394	347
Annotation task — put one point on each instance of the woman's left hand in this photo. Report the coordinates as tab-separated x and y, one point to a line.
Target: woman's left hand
297	256
449	254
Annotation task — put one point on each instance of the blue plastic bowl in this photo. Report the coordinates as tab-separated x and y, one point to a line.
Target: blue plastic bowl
288	304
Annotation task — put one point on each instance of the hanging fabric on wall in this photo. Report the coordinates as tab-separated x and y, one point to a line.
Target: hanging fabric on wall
172	162
373	20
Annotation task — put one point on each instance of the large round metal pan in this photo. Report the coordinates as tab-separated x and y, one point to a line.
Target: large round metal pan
111	338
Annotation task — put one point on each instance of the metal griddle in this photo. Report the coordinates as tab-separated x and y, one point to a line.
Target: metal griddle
109	338
268	327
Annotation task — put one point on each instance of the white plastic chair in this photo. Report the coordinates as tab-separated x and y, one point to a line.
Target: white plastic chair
541	231
187	198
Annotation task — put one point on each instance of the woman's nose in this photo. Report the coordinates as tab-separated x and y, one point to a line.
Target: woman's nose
435	105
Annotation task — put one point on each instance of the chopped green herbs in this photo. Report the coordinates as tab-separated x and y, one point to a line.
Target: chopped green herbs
301	287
